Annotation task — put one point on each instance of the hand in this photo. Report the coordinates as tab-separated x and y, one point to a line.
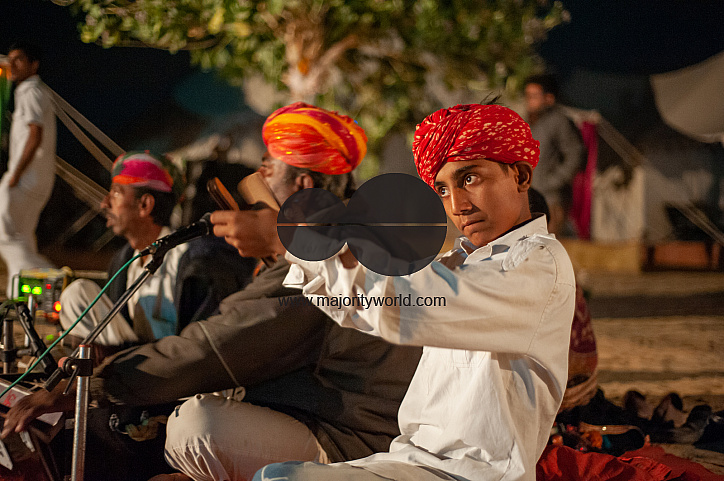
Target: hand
252	232
38	403
348	259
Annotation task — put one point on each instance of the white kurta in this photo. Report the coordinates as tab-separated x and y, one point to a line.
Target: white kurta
33	105
20	206
152	310
494	367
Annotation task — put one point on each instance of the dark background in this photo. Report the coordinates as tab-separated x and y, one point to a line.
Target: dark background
142	97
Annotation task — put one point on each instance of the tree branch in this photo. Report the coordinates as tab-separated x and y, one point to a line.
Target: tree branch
196	45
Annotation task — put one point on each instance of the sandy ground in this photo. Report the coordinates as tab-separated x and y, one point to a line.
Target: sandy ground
656	332
642	346
659	333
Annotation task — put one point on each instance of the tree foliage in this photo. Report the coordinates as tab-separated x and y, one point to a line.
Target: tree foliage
381	61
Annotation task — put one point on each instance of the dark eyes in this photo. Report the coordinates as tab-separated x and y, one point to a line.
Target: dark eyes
466	180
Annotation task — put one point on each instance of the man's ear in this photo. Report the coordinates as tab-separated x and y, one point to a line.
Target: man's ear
523	175
549	99
145	205
304	181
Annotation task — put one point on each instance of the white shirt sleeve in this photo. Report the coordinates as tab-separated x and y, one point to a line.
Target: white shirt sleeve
34	104
494	304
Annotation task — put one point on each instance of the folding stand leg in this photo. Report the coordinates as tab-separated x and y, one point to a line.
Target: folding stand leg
84	370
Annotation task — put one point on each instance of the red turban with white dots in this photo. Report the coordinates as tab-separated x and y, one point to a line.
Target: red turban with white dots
474	131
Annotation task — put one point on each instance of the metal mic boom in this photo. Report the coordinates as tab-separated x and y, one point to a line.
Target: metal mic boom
199	228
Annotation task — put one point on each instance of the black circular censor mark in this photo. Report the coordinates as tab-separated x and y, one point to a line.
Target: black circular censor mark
394	224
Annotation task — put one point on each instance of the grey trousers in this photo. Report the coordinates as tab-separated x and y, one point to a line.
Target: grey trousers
310	471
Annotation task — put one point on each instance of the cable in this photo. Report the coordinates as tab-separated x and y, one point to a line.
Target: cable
67	331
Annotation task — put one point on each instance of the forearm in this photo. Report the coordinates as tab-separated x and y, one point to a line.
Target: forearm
483	308
156	373
36	404
250	344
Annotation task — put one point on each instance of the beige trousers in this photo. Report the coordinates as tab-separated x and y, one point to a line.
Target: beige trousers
213	438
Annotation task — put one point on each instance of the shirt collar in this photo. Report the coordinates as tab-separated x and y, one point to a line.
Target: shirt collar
26	84
537	225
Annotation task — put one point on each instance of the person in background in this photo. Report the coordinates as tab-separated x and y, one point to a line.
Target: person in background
188	286
561	148
27	184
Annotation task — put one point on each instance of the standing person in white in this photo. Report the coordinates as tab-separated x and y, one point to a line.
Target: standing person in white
26	186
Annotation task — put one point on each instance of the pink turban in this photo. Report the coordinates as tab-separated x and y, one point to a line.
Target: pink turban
467	132
142	169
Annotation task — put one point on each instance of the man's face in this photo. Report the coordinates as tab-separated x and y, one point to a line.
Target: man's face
122	209
274	172
20	66
536	100
483	200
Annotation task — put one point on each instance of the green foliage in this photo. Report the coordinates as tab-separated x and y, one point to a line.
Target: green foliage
376	60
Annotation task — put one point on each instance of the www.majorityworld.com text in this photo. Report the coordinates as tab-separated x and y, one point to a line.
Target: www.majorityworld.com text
365	302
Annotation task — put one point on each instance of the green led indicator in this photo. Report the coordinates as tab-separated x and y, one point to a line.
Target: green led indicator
25	288
37	290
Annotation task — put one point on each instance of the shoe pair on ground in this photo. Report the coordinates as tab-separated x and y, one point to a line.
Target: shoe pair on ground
673	425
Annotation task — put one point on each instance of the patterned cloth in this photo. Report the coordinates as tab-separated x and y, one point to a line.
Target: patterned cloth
312	138
582	358
142	169
473	131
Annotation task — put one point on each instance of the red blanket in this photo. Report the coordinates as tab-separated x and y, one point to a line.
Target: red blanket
650	463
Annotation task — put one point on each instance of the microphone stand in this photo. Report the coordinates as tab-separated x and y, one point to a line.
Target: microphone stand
80	365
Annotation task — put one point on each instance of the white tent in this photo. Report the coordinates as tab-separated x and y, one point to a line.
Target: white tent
691	100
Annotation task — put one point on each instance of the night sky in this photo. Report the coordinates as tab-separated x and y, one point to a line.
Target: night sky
636	37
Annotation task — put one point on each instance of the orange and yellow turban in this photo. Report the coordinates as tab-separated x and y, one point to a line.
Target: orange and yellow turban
312	138
468	132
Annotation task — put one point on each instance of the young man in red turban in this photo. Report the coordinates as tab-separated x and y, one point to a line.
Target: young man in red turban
494	365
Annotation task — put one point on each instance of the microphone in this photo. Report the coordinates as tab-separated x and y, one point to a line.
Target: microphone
199	228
